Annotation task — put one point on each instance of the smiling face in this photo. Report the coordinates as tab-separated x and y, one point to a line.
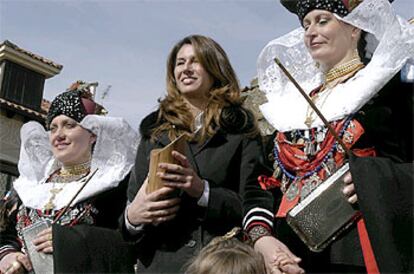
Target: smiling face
71	144
329	41
191	79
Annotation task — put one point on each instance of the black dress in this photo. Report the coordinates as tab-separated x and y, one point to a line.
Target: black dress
383	185
87	244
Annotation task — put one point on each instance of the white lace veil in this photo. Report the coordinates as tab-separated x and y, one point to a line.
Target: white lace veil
390	44
113	155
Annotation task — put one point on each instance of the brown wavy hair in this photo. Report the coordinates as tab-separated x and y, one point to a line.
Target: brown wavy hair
174	115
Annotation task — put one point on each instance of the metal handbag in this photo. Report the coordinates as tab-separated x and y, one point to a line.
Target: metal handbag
324	214
42	263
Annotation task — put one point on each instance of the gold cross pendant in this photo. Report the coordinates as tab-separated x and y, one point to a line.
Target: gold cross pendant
54	191
308	121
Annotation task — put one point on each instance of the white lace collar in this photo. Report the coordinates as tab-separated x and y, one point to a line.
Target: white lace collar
391	43
114	155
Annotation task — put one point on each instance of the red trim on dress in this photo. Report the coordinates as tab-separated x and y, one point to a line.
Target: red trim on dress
301	166
368	253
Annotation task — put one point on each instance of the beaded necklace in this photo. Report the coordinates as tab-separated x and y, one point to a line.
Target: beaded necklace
347	68
315	170
343	69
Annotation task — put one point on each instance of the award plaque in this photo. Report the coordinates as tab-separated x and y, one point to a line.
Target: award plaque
42	263
324	214
163	155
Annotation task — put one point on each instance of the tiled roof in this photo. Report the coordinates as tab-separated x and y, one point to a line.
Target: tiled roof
20	108
31	54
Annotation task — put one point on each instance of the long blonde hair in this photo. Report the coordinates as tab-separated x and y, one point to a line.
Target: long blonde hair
174	116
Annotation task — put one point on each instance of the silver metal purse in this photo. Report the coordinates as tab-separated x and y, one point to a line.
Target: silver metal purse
42	263
324	214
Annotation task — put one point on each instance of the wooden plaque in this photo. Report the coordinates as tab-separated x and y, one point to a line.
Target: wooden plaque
163	155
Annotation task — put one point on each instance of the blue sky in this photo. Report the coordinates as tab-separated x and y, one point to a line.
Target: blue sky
125	43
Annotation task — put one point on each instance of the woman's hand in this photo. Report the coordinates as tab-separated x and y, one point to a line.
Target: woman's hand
349	189
278	258
181	176
15	263
152	208
44	241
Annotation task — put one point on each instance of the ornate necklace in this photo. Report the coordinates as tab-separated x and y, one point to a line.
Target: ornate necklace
290	175
316	98
75	169
64	176
348	68
343	69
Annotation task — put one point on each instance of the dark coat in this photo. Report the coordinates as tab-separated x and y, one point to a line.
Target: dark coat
226	161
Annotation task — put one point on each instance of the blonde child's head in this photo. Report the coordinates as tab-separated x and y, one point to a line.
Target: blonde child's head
227	255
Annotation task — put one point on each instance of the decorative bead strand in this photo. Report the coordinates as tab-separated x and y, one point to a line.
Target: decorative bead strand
317	168
343	69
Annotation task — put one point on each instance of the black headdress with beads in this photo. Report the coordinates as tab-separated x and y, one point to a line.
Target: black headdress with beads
303	7
76	103
334	6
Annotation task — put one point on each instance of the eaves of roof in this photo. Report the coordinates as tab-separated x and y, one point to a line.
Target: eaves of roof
25	111
44	66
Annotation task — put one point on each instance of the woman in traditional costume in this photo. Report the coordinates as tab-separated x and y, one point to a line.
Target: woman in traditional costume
347	56
203	100
72	176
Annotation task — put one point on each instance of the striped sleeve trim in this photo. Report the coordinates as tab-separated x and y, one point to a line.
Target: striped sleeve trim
258	214
259	223
6	249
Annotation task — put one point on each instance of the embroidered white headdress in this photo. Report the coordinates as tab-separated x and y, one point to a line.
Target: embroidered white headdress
113	155
390	42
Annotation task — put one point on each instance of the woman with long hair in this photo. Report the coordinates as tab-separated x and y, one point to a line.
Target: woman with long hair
201	194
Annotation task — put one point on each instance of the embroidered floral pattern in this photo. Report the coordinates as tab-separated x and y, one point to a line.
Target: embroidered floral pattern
81	213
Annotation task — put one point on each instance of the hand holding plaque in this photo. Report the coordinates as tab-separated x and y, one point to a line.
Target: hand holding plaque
163	155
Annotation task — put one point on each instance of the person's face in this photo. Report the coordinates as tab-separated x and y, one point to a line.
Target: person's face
71	144
328	40
191	78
